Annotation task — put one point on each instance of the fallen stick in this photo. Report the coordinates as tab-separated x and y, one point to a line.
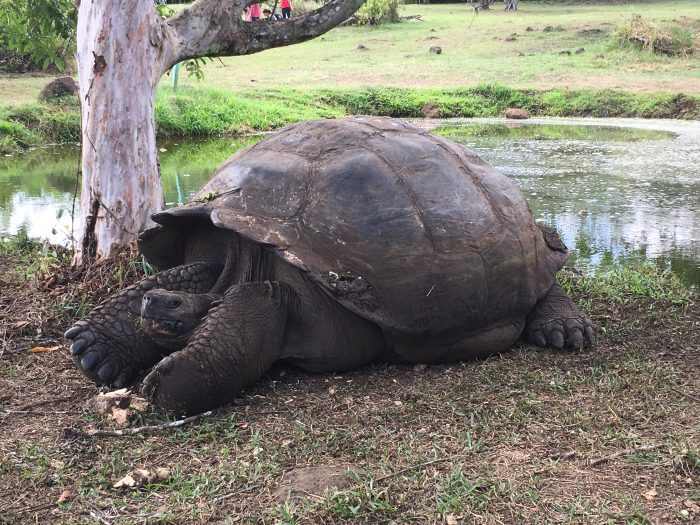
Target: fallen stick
43	402
686	395
147	428
25	510
625	452
408	469
99	518
562	455
235	493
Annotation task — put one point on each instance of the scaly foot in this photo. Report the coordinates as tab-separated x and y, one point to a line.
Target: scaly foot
557	321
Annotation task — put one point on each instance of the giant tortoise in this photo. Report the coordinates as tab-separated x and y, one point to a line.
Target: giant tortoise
331	244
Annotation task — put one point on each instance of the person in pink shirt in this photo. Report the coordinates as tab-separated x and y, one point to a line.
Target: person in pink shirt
255	12
286	6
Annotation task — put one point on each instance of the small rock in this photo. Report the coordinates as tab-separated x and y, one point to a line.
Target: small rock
362	47
120	405
583	213
430	110
692	506
510	39
589	32
60	87
565	52
528	28
517	113
649	495
66	495
139	477
549	29
579	50
600	55
435	49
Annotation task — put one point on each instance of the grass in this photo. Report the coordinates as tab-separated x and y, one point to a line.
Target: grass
503	440
474	51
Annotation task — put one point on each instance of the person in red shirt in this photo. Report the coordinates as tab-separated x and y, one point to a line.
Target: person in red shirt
286	6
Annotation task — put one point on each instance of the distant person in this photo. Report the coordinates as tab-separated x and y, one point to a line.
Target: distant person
269	15
286	6
255	12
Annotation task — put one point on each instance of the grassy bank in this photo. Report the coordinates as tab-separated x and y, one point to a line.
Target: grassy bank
608	435
207	111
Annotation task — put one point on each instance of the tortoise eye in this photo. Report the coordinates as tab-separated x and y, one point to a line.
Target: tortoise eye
174	303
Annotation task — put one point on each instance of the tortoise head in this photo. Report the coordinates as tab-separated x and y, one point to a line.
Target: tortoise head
170	317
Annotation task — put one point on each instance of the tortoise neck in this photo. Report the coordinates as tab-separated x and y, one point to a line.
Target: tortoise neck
246	261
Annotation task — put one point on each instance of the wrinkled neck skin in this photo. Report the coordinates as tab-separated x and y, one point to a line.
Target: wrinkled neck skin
243	260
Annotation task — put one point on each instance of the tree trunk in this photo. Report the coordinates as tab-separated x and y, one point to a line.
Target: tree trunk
124	48
119	63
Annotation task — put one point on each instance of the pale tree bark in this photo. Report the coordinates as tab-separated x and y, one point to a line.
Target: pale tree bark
124	48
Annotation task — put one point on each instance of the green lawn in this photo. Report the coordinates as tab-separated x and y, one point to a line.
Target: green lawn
474	51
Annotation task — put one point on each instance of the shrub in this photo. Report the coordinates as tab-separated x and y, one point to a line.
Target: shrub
376	12
39	33
641	34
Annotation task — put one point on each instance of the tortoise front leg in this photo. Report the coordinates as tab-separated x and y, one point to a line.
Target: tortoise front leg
109	346
235	344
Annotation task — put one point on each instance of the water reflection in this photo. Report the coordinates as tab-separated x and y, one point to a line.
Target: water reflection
617	190
616	195
37	188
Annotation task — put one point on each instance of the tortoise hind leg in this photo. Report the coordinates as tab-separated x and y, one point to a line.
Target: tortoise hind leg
557	321
109	346
235	344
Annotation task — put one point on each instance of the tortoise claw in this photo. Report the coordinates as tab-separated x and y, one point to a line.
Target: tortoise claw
106	372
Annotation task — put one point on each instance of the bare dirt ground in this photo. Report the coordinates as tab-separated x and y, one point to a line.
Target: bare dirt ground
608	435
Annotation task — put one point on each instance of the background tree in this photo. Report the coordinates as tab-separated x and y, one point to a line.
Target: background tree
37	33
124	48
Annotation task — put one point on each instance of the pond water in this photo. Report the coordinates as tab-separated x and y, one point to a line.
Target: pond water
618	190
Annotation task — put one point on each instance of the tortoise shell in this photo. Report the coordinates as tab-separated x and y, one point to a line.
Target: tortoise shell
412	231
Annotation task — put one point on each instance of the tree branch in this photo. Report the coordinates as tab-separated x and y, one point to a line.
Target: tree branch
214	28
